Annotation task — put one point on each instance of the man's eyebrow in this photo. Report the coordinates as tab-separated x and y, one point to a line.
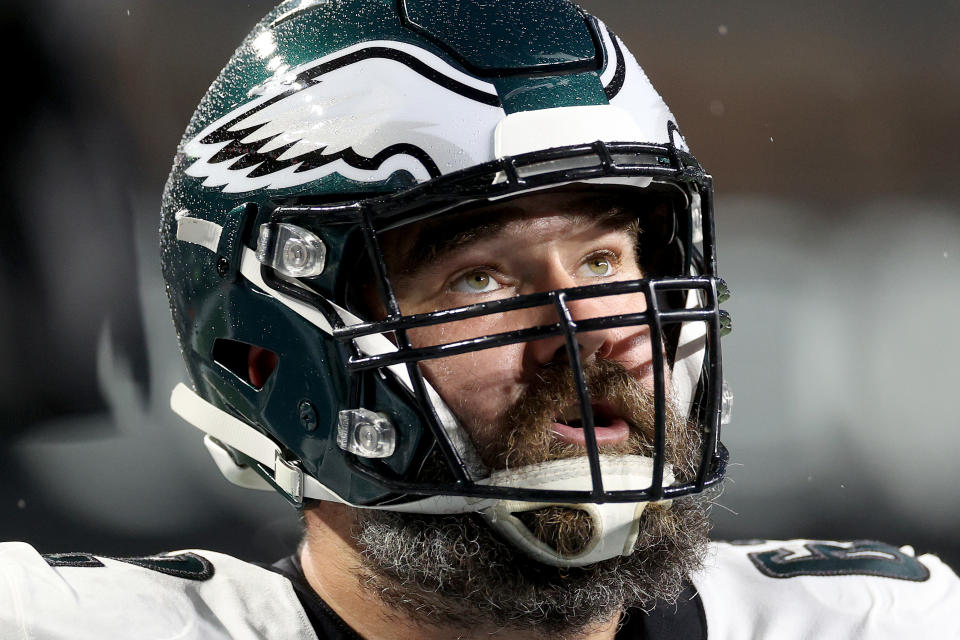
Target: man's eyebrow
440	240
443	237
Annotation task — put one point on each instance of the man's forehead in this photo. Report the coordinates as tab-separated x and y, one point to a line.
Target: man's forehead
416	245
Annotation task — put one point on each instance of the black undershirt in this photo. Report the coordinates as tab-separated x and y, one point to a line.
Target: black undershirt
684	620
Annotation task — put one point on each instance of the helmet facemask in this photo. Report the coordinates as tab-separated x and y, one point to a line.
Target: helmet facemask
452	474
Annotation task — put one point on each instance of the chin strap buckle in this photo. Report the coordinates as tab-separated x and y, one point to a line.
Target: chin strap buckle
286	477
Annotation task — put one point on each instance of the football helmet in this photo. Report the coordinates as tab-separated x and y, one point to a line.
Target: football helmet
339	120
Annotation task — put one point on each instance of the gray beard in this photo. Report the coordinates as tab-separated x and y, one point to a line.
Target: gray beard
454	571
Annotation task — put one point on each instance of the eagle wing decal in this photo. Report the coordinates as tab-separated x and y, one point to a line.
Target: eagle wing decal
364	112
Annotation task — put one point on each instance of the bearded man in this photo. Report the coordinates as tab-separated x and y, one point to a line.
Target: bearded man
444	276
519	404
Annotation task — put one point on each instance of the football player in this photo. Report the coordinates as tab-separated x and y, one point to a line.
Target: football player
444	276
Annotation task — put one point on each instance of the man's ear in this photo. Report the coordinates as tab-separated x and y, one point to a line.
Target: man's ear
260	364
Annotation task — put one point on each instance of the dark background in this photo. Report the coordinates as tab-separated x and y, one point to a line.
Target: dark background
832	134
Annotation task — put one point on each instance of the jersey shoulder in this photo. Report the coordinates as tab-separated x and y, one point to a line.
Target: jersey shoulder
183	594
818	588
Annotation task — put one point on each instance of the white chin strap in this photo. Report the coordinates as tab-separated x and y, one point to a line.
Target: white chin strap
615	525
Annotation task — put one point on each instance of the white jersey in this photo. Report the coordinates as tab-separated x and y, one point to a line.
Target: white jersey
819	590
188	595
794	590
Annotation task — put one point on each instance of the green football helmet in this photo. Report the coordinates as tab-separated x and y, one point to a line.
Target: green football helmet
339	120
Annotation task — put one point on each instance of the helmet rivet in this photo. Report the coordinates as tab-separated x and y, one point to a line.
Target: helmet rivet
308	415
223	267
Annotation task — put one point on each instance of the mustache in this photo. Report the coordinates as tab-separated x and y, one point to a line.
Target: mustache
529	438
527	424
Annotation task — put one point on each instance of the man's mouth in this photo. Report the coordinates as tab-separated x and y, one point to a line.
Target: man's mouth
608	427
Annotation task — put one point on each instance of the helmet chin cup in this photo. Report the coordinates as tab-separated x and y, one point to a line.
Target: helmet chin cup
615	525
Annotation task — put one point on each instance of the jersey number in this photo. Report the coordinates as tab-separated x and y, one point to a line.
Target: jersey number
182	565
825	559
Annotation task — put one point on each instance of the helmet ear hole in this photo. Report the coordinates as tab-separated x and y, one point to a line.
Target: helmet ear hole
260	365
252	364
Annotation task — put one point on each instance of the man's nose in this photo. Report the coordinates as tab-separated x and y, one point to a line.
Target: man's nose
592	343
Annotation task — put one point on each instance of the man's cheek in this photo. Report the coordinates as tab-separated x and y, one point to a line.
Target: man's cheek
478	386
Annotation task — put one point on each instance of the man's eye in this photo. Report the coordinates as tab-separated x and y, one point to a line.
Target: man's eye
475	282
598	266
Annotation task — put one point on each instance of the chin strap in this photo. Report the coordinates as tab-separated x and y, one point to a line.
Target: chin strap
223	430
615	525
267	469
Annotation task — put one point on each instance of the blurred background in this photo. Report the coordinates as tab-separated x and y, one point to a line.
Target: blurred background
831	131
